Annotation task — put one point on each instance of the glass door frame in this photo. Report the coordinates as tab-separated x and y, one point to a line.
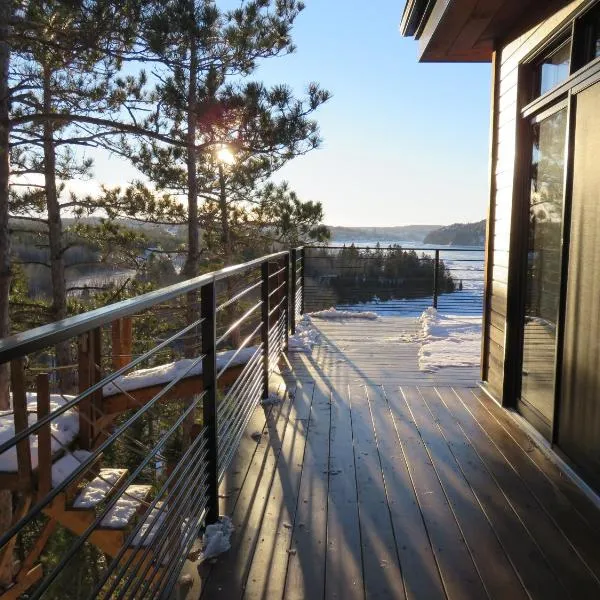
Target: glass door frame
563	95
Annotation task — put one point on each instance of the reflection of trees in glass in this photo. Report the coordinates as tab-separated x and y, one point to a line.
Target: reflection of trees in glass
545	216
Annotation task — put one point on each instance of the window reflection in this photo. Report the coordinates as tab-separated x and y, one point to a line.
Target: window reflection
544	263
554	69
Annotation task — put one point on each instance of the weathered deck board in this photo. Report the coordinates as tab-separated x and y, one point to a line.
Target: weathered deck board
375	480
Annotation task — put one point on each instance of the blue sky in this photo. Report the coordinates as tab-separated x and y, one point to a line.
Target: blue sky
404	143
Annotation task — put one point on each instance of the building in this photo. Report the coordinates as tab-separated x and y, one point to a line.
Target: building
541	348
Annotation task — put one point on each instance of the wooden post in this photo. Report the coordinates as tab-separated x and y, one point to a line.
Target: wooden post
19	396
44	439
89	350
84	382
121	333
208	303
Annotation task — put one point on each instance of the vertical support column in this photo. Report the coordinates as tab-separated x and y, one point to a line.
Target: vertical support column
122	338
292	302
44	440
286	302
264	294
89	359
84	382
208	305
436	270
19	396
302	281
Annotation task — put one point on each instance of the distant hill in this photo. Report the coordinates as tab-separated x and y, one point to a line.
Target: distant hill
458	234
404	233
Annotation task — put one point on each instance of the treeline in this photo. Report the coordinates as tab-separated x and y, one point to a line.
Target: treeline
458	234
167	85
359	275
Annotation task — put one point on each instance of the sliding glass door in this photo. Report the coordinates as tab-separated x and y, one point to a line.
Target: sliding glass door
543	271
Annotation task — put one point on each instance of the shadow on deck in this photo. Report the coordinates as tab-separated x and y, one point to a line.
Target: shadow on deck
374	480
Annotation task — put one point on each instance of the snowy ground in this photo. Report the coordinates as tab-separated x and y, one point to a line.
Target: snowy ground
448	340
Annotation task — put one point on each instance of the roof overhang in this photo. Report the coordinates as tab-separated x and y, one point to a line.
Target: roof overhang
467	30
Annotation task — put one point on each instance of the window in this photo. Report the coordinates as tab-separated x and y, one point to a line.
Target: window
591	36
554	68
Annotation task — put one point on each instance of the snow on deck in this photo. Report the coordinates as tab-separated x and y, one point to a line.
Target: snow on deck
448	340
63	429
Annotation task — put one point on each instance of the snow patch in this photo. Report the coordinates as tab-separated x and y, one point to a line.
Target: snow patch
63	430
449	341
305	338
333	313
216	538
126	506
151	525
64	466
95	491
273	398
163	374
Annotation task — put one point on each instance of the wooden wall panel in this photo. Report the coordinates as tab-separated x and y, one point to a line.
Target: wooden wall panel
511	54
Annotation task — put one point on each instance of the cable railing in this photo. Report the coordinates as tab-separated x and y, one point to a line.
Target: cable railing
394	280
114	456
114	465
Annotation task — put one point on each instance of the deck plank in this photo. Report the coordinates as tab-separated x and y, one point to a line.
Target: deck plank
266	578
306	560
381	568
522	550
419	568
457	569
343	562
575	577
228	577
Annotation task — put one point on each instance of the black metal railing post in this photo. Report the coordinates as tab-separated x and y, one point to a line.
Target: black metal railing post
208	307
436	269
265	271
286	301
292	295
302	282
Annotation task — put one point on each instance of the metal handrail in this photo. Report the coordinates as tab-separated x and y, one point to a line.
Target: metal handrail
220	432
39	338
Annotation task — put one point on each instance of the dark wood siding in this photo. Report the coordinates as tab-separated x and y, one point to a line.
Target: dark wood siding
579	423
503	185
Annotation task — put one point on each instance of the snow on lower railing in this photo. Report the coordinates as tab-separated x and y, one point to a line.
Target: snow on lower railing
448	341
168	372
63	430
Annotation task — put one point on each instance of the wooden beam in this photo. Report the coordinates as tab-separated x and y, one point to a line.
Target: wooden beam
17	376
44	439
31	577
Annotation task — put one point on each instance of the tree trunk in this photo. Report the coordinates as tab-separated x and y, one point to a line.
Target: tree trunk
225	230
5	270
55	235
6	511
193	256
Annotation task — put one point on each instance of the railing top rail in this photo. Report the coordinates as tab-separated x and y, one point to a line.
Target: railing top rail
388	246
20	344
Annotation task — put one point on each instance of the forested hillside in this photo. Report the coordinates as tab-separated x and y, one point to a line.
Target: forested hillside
458	234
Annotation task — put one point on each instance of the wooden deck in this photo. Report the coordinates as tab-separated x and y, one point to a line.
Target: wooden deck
372	480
